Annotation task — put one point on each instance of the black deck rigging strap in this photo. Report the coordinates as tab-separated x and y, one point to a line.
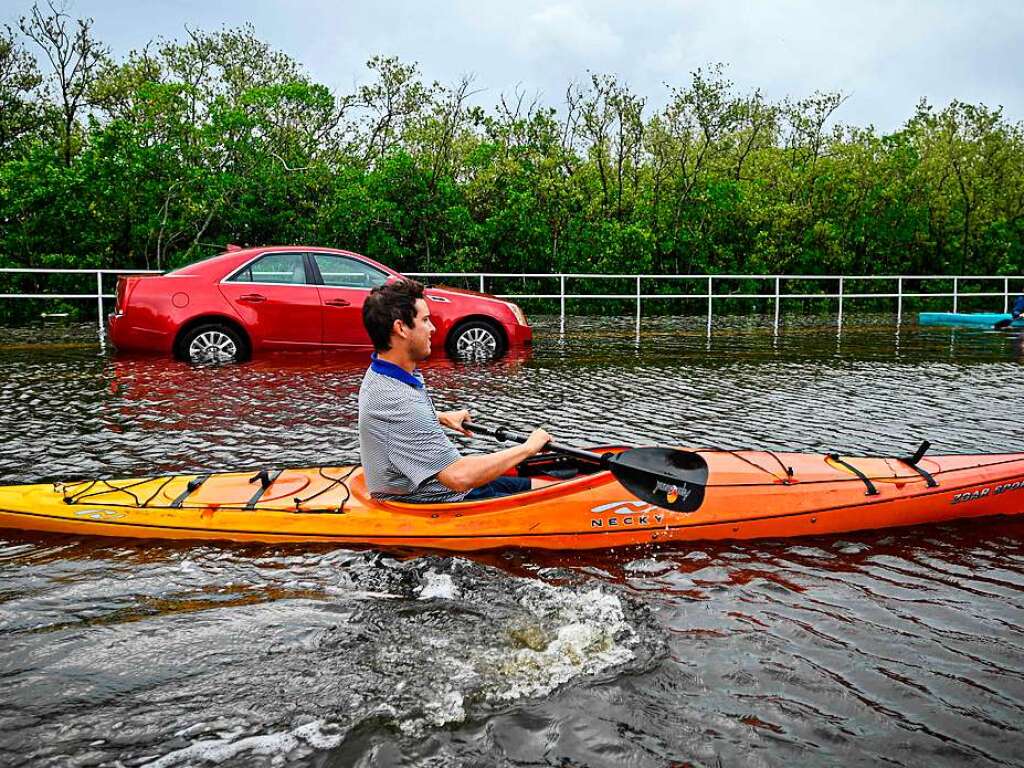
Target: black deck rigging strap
871	490
912	462
266	478
194	483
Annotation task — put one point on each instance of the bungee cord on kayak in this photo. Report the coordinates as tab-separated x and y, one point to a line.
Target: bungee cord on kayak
157	491
88	492
73	493
335	481
787	480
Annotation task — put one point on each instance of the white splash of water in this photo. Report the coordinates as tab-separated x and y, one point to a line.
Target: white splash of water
554	635
591	635
438	585
448	707
214	751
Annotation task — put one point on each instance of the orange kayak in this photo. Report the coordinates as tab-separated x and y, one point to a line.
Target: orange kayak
748	494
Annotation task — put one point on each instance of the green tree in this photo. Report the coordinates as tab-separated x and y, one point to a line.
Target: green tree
75	56
21	111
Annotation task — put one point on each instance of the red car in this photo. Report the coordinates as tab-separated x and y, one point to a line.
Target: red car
289	298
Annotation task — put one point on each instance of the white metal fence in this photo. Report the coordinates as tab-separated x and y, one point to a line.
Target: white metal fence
707	292
98	296
704	292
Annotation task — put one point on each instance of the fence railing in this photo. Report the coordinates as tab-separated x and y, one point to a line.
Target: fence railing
98	296
705	291
776	295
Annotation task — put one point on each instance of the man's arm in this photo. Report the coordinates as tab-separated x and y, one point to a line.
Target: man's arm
471	472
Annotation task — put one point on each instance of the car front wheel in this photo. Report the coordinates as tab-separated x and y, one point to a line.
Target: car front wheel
476	340
212	343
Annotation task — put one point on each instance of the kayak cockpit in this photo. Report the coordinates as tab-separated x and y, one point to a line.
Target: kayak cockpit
557	474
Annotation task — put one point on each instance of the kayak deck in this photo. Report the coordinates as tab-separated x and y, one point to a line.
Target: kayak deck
750	494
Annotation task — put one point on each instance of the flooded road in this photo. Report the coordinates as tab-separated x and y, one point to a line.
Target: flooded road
902	647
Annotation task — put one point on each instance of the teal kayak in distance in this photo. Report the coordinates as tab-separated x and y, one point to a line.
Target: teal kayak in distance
969	319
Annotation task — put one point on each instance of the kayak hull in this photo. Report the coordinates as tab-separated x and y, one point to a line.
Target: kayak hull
968	319
749	496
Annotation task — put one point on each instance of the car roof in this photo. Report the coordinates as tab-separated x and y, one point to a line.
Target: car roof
225	262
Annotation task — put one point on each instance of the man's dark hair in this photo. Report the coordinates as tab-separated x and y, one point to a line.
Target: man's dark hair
387	303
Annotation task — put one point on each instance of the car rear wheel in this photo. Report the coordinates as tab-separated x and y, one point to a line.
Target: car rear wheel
476	340
212	343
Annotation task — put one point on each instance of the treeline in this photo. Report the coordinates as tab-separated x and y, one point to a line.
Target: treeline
189	144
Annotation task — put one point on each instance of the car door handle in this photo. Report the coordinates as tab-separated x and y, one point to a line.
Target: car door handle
252	298
338	303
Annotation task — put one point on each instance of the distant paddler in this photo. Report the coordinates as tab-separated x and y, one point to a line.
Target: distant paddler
1015	314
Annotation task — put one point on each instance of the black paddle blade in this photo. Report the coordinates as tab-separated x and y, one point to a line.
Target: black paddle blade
664	477
1000	324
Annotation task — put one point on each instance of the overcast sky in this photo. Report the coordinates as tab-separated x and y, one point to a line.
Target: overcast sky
884	54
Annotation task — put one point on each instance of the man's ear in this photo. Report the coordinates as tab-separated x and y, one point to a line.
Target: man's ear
398	329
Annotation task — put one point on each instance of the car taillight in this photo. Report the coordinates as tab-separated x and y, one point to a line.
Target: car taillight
122	282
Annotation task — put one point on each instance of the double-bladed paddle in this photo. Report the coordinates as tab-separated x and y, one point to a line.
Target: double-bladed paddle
665	477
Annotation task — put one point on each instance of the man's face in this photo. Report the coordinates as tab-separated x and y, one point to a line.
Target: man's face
418	337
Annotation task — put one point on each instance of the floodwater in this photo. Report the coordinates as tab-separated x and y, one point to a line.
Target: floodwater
899	648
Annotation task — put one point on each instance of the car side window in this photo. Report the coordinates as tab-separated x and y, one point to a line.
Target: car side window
277	268
345	272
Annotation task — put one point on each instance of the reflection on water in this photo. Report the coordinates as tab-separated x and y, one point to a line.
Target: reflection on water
904	647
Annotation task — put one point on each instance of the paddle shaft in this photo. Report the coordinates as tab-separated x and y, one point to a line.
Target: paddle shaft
501	433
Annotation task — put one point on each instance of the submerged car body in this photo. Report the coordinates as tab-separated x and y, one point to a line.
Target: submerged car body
247	301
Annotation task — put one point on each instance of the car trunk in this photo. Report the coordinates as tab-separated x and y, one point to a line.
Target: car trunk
126	284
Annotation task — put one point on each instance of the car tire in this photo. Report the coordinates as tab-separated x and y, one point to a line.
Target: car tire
212	344
477	340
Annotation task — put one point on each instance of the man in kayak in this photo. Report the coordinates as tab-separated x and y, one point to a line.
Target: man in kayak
406	456
1018	308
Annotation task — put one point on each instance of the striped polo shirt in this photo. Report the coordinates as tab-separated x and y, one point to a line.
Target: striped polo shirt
401	443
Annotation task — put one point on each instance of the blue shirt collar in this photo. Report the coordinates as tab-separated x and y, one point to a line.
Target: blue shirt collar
384	368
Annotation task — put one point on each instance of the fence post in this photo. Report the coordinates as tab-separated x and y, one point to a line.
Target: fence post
899	302
710	293
840	323
956	292
776	305
561	304
638	309
482	283
1006	295
99	303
